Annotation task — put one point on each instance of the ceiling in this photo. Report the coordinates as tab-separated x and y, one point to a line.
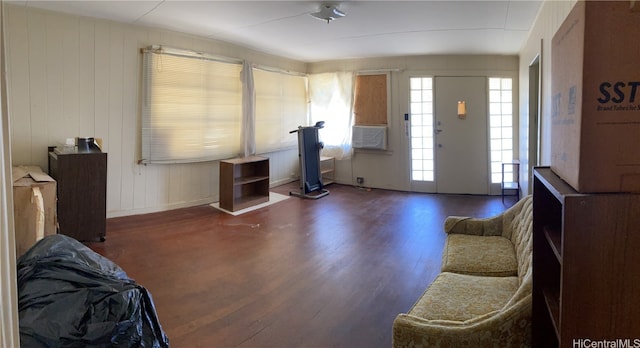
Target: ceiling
370	28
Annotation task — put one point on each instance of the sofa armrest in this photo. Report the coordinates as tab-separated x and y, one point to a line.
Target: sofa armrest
509	327
474	226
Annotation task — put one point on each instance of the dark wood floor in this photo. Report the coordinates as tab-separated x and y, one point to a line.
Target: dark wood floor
332	272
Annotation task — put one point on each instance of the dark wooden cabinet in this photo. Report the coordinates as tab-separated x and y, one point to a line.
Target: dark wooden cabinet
82	193
586	274
244	182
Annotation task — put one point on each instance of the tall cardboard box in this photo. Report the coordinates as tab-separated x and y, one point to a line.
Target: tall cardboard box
34	206
595	67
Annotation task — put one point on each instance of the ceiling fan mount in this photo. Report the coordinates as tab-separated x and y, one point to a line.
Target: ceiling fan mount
328	12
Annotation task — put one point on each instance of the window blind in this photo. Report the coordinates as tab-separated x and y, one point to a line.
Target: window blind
192	108
281	106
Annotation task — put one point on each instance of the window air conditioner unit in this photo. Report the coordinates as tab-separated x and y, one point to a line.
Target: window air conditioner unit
369	137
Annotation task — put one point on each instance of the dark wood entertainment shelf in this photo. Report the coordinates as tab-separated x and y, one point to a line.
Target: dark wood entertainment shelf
244	182
586	279
554	237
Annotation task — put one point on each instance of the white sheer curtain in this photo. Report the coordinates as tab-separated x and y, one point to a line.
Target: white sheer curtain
331	96
248	109
282	104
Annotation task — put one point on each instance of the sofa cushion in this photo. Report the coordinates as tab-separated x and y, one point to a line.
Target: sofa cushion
460	297
522	236
479	255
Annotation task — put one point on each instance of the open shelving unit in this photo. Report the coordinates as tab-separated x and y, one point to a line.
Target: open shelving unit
328	170
244	182
586	279
510	179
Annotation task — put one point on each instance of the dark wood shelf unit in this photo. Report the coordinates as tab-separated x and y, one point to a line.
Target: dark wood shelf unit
249	180
244	182
586	279
82	193
554	238
551	297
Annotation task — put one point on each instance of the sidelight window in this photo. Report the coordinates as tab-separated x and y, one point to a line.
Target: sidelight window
500	127
421	120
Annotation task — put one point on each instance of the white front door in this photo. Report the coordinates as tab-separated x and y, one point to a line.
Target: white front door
461	149
448	153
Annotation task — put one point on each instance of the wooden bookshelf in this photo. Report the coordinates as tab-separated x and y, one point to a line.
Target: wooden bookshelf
586	279
244	182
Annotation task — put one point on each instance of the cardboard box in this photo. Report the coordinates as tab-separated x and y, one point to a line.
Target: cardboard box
595	132
34	206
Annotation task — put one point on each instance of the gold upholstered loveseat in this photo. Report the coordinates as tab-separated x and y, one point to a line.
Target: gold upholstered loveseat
482	297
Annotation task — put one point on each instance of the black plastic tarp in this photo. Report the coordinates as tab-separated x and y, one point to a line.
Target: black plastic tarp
70	296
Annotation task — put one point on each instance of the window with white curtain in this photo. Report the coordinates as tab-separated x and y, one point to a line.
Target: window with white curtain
331	97
281	106
192	107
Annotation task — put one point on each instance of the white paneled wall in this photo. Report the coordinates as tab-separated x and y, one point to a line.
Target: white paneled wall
9	326
72	76
550	17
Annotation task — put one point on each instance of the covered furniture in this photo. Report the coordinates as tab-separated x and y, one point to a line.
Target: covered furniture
482	297
70	296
